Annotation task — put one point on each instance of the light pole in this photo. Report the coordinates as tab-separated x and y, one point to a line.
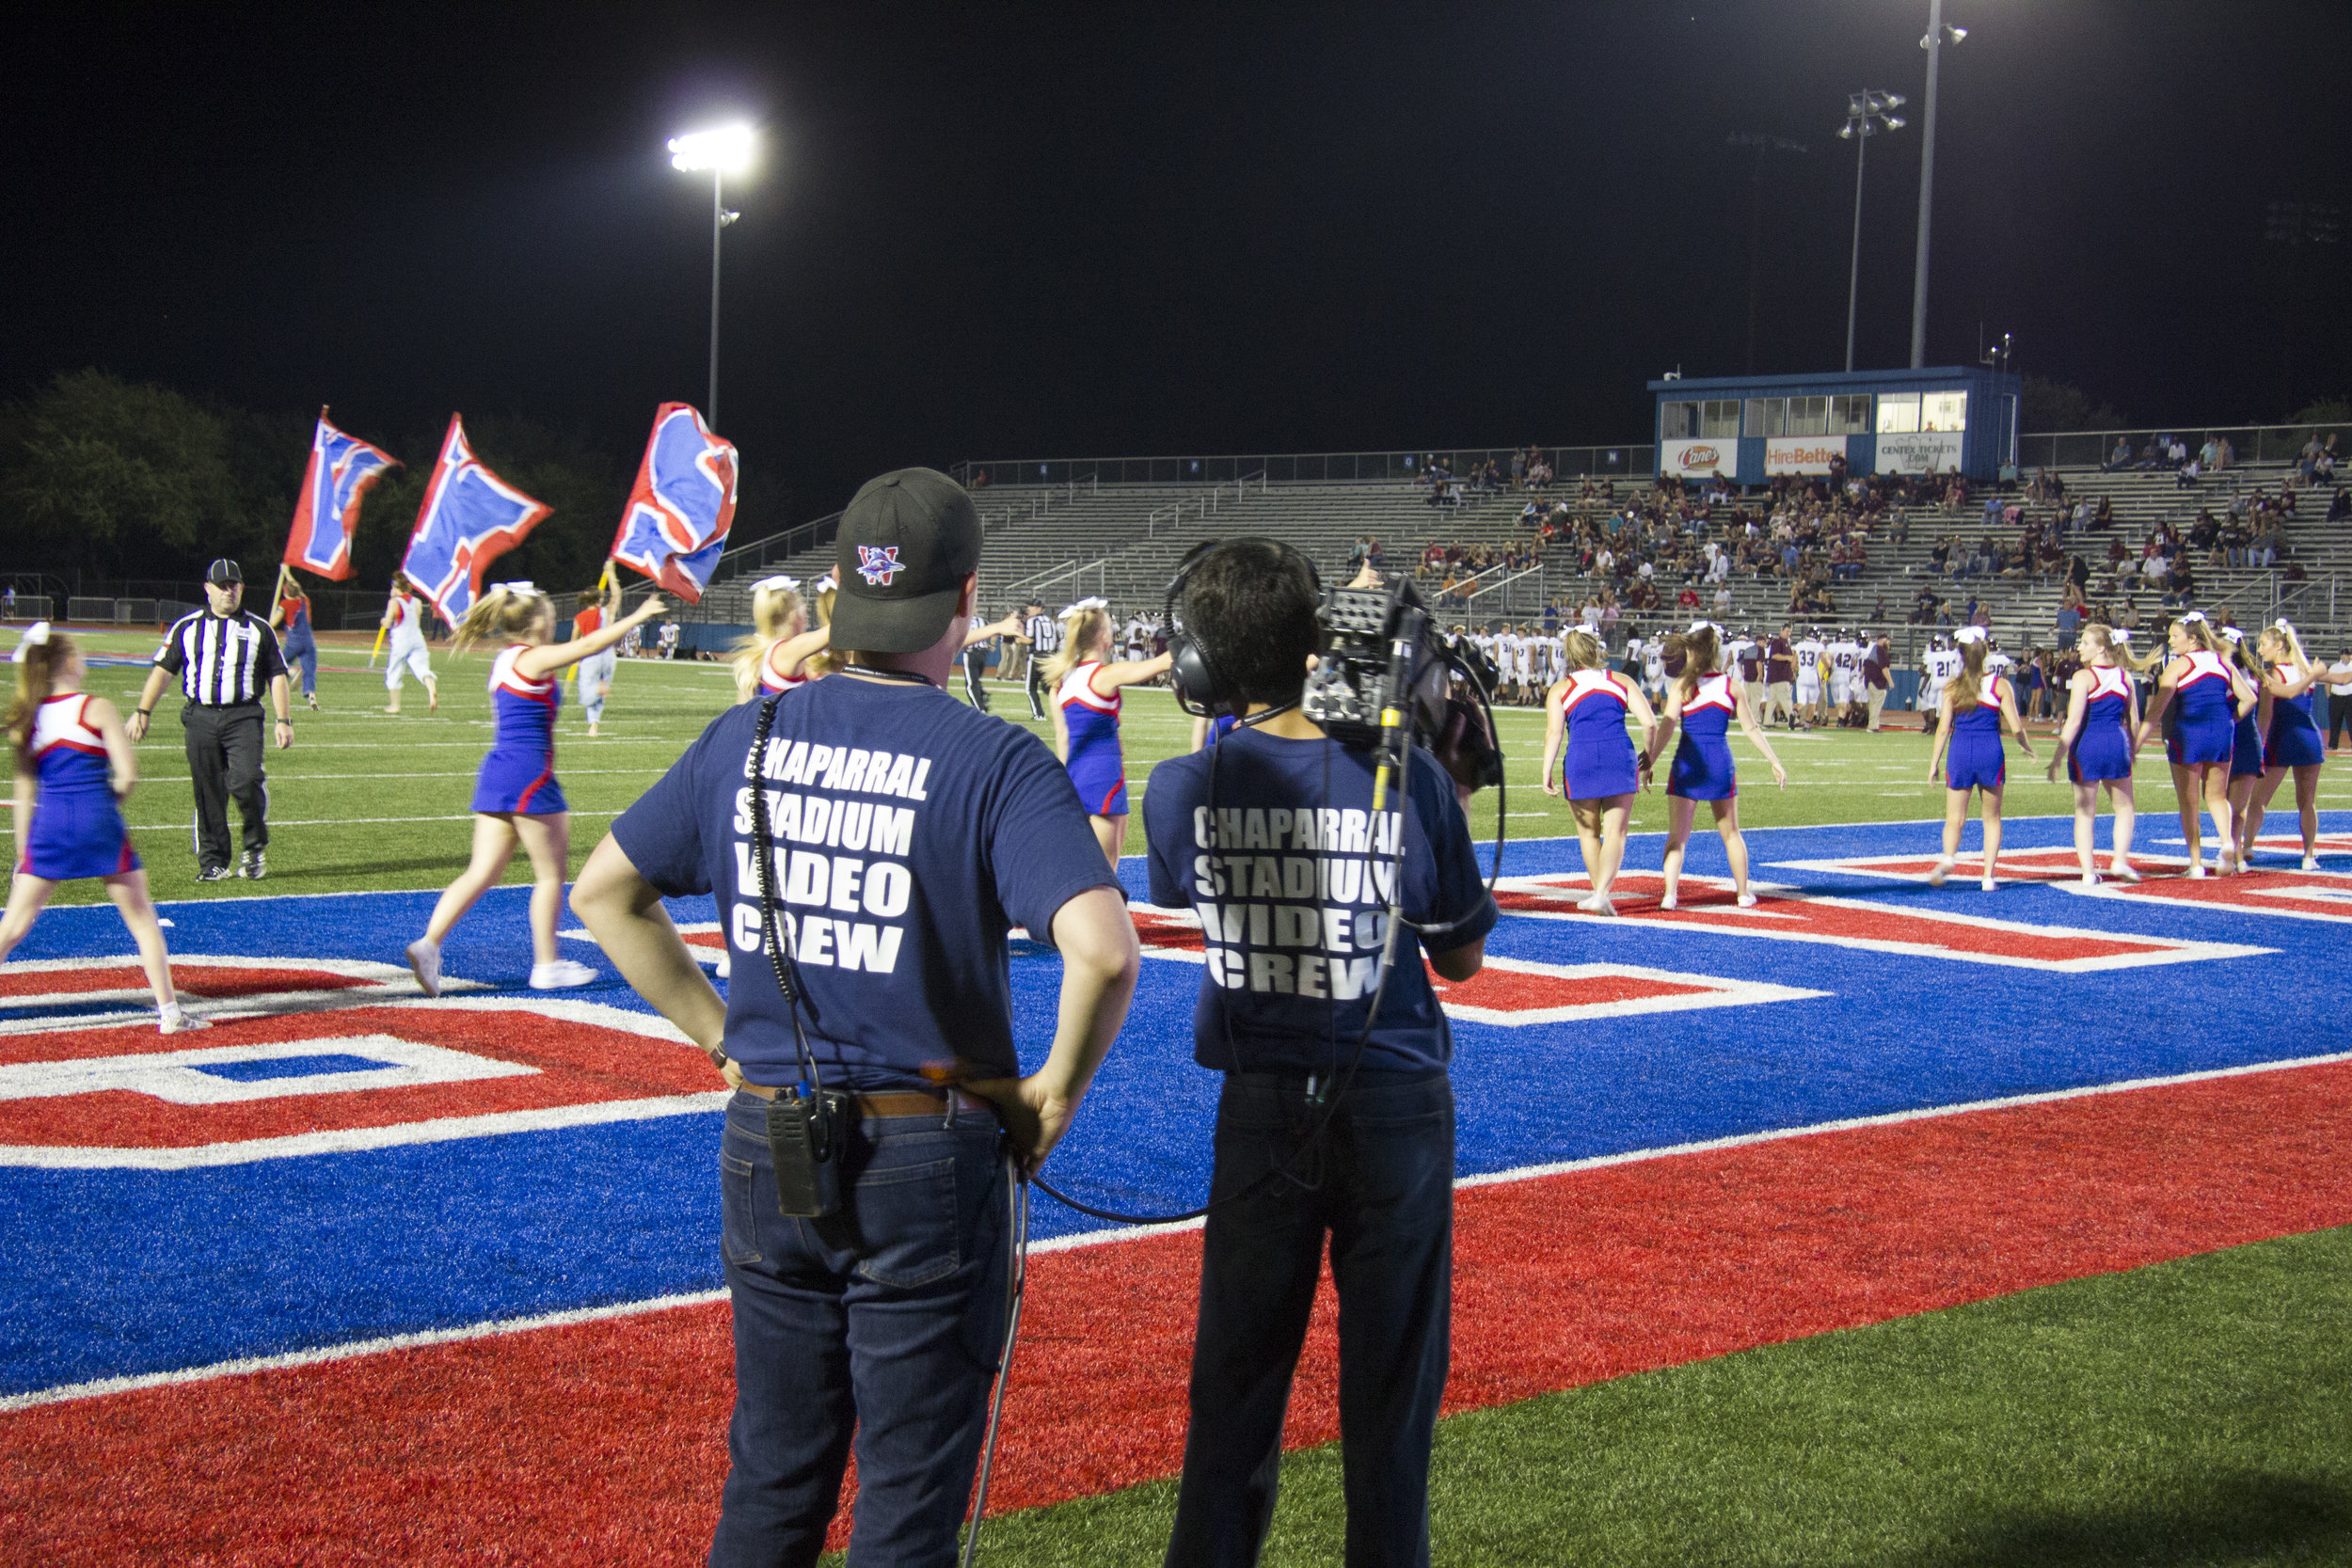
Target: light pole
724	151
1938	35
1865	117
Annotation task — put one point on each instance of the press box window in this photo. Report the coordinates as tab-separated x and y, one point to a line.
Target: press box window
1944	411
1806	417
1898	413
1678	421
1766	416
1719	419
1849	414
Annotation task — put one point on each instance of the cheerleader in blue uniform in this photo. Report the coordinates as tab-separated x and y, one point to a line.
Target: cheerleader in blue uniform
1587	707
2098	744
1207	732
2246	738
1974	711
516	798
75	766
1086	685
2208	697
1703	699
301	647
2292	742
779	654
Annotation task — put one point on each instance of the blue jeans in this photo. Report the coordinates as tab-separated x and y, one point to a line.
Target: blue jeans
1386	1197
885	1319
305	654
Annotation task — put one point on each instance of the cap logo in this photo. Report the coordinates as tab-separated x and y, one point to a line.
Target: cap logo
878	563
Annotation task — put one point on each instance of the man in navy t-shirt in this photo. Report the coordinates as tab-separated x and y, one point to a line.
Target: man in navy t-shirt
908	831
1270	835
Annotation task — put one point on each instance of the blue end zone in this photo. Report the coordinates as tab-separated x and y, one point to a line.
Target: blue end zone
116	1271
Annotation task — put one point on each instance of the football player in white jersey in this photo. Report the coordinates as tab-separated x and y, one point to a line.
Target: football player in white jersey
1809	651
1940	664
1845	664
1654	668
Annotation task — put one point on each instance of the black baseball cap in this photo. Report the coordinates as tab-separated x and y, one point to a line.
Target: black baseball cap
907	542
223	572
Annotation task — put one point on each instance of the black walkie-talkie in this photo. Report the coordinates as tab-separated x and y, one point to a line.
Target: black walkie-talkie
804	1142
806	1125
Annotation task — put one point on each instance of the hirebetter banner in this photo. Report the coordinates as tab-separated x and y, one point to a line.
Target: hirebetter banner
1802	455
1699	459
1929	451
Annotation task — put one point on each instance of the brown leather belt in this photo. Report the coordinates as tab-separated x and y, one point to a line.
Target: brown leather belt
909	1102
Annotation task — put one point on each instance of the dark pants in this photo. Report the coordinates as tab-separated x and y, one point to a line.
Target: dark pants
2339	718
306	655
885	1320
974	671
1386	1197
1037	684
225	764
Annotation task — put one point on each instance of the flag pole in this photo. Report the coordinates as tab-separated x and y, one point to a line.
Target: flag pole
380	629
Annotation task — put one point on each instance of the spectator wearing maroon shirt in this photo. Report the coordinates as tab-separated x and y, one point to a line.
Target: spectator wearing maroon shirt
1780	671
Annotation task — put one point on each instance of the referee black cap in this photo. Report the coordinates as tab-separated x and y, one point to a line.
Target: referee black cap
222	573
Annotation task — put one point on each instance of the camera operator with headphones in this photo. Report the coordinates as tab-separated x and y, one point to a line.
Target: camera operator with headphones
1293	848
867	877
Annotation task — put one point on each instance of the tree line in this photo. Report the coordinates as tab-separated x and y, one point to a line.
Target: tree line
115	479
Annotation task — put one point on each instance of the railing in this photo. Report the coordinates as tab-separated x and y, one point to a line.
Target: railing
1074	572
2090	449
1318	468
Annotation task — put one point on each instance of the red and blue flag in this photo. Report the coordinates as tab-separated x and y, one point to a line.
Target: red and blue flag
342	469
469	519
682	504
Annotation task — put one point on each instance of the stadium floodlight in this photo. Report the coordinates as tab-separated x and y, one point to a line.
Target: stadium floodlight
1938	35
726	149
1865	117
721	150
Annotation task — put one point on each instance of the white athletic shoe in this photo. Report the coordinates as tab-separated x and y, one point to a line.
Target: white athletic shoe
2196	872
424	961
1668	901
2225	864
1942	869
2090	878
1989	885
1597	904
2311	862
2124	871
724	966
1747	900
561	974
171	1020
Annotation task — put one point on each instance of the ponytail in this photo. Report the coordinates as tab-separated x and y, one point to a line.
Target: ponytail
1082	626
1968	685
1700	655
2282	631
37	666
508	610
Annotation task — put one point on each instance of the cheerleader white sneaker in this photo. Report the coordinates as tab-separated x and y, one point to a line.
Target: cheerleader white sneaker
424	961
1747	900
171	1020
2124	871
560	975
1989	884
1942	869
2197	870
2090	878
2311	862
1597	904
1668	901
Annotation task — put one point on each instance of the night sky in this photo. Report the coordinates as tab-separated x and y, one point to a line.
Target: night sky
1005	232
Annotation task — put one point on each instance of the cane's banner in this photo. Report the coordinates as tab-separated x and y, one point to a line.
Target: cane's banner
1699	459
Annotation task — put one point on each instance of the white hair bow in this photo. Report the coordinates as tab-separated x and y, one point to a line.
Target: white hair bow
827	583
778	583
2233	634
2281	623
525	587
36	636
1969	634
1081	606
1698	626
2193	615
2119	634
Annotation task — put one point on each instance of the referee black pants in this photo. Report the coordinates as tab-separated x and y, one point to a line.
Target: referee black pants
1037	686
974	670
225	764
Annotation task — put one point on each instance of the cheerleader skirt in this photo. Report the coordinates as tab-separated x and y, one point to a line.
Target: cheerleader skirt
1595	768
520	784
1100	780
2102	753
1975	762
2246	750
1702	770
77	835
2295	740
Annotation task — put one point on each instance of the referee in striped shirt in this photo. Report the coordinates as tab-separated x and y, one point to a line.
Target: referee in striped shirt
1043	634
225	658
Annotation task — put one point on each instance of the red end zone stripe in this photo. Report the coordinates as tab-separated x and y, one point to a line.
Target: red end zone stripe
475	1451
194	979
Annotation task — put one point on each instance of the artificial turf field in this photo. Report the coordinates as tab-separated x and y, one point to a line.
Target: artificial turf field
2102	1330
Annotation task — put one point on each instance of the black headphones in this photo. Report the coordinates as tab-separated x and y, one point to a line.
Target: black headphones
1201	688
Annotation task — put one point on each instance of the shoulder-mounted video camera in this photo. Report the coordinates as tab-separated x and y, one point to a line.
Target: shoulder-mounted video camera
1387	678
